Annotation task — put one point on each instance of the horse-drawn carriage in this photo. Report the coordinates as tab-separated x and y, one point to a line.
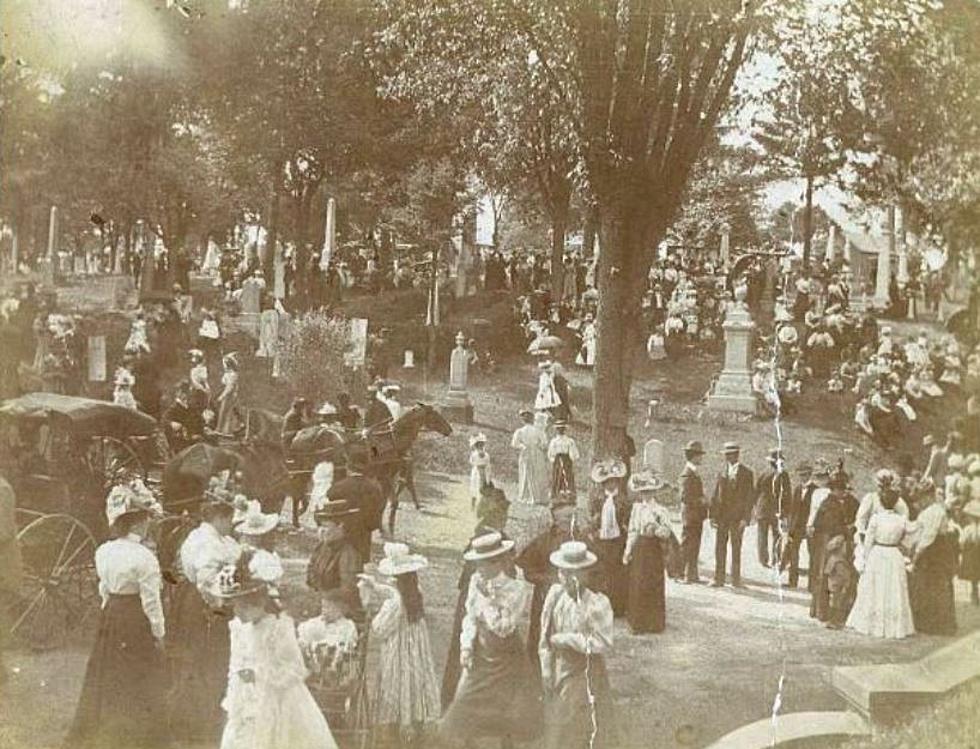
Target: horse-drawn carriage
64	453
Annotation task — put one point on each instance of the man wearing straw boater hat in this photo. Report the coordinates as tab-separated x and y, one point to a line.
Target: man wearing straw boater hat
497	695
576	635
694	510
730	513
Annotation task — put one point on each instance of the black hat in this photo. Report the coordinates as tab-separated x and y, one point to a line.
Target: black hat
338	509
694	447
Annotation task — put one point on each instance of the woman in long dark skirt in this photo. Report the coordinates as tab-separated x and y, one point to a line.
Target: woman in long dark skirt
609	514
199	629
934	563
648	531
122	694
491	513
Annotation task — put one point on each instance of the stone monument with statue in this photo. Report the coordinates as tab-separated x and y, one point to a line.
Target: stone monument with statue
732	390
457	404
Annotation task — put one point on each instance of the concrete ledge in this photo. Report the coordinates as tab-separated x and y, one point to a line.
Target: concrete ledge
886	693
795	730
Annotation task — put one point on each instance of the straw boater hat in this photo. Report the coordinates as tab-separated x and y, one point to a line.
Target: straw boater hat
326	409
129	499
560	424
608	469
488	546
573	555
478	439
730	447
398	560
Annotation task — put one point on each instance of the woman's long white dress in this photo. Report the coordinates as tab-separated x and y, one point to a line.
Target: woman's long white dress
882	607
275	710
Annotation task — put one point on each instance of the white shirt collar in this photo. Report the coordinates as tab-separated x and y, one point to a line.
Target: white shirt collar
689	465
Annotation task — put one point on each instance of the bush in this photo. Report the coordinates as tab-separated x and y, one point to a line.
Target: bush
312	361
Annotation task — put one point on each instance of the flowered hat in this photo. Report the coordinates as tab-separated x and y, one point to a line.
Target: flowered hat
604	470
398	560
129	498
573	555
646	481
239	579
478	439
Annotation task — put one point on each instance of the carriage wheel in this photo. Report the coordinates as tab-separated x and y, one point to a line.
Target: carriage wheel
59	590
113	462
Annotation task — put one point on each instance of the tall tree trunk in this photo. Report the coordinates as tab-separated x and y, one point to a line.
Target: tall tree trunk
625	233
590	231
808	223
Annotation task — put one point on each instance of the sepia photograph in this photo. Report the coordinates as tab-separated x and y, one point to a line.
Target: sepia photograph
489	374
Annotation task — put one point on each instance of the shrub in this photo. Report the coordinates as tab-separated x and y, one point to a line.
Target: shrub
312	361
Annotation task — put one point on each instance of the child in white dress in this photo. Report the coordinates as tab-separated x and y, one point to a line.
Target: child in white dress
267	701
122	394
327	640
479	467
138	342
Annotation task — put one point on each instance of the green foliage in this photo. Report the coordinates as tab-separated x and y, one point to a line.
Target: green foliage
313	359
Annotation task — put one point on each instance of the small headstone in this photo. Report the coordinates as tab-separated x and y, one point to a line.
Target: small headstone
251	296
409	359
653	454
96	358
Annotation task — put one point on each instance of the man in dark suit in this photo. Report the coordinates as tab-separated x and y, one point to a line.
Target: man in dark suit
377	410
183	421
773	500
694	510
364	495
799	511
730	512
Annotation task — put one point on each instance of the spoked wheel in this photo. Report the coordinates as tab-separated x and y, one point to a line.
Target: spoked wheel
111	461
59	591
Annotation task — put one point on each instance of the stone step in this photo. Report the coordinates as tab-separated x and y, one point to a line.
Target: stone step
885	693
796	731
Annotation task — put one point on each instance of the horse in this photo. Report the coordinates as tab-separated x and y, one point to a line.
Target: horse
381	449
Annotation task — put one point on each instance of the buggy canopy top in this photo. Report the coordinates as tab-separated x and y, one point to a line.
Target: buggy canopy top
83	417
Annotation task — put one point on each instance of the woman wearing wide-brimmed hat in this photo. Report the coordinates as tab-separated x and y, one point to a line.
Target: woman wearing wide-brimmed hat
336	561
267	701
648	531
407	696
497	695
576	635
610	513
491	517
122	698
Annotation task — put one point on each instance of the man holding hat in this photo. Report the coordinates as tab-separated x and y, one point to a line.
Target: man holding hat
694	510
774	497
730	512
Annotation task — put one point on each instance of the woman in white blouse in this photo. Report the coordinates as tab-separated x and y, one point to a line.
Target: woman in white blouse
497	695
576	635
124	687
649	527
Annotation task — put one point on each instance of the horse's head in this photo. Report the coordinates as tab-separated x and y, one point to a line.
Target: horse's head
434	421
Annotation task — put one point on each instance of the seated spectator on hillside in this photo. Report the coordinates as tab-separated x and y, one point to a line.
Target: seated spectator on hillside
183	420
